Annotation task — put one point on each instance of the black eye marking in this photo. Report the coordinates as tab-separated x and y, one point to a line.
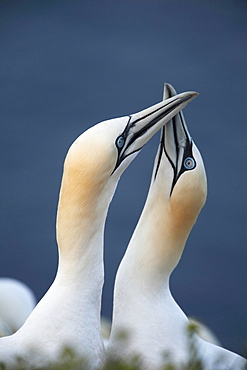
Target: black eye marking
189	163
120	142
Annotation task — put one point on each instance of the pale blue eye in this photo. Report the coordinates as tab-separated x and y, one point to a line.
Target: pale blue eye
189	163
120	142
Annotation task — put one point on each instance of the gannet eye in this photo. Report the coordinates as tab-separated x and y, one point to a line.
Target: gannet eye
189	163
120	142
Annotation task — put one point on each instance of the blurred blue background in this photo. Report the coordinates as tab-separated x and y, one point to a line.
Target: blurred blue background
66	65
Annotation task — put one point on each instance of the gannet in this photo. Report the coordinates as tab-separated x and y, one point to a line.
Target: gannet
17	301
147	322
69	313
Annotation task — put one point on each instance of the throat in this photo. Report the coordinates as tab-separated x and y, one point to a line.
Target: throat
80	237
81	262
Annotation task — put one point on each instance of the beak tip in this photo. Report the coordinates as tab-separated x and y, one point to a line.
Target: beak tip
169	88
169	91
194	94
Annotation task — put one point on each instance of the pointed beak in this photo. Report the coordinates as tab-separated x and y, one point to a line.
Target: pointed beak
144	124
176	141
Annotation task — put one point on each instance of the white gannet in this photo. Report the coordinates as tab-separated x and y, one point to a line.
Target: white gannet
147	321
69	313
17	301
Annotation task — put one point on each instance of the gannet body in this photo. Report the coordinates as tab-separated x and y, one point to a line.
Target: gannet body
69	313
147	321
17	301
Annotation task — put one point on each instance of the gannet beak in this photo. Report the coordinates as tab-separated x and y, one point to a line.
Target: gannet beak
144	124
176	141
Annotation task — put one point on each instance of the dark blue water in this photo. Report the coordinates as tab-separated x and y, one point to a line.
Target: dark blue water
66	65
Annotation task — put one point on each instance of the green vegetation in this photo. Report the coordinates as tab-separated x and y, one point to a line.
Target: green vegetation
70	361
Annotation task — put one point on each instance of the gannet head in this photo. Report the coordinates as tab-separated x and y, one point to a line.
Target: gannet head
183	171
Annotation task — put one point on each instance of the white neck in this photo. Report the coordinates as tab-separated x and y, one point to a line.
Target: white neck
69	313
81	216
157	243
143	304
